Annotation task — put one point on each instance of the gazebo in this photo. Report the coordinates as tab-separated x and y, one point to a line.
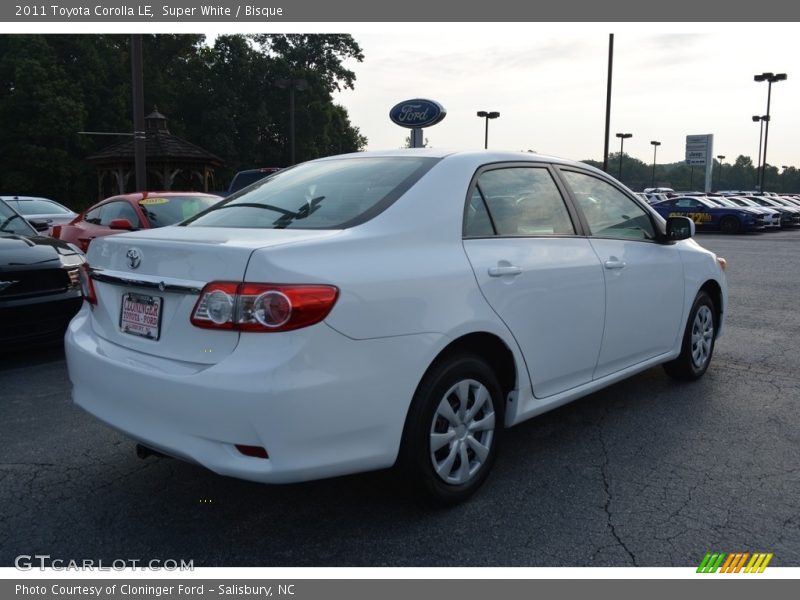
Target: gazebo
172	162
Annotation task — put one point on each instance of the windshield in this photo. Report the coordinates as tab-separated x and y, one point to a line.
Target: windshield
328	194
11	222
168	210
38	207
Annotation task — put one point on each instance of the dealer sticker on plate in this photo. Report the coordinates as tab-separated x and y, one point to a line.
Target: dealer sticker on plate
141	315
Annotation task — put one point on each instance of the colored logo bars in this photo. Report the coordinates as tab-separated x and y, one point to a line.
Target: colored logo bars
734	562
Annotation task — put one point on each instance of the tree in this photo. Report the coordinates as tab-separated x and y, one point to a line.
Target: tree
319	56
407	142
220	97
40	112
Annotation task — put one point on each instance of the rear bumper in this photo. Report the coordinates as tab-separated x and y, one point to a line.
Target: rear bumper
320	403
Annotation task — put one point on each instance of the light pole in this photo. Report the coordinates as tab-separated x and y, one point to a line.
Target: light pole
720	158
757	119
770	78
293	84
487	115
622	137
655	147
137	87
608	100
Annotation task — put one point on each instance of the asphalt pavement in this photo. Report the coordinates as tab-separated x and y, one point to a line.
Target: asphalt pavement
648	472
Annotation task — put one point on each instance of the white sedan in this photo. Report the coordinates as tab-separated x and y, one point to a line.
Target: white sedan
395	308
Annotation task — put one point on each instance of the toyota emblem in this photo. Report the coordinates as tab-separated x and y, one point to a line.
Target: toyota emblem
134	258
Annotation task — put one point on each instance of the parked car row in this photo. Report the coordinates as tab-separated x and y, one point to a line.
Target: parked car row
733	212
39	282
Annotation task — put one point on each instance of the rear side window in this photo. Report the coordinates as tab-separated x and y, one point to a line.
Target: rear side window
520	201
688	203
329	194
93	216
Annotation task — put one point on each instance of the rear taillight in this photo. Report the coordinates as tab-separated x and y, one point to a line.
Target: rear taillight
87	285
262	307
55	231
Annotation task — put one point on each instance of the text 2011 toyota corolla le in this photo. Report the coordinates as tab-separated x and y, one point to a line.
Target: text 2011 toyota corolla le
359	311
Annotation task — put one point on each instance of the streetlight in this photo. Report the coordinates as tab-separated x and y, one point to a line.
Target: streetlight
757	119
770	78
292	84
655	147
622	137
720	158
487	115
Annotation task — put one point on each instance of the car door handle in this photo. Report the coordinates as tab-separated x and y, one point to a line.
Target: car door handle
614	263
500	271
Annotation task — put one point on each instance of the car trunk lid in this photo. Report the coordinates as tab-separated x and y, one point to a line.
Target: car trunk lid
148	283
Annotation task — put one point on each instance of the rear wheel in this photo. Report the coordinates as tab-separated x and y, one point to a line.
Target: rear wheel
730	225
453	429
698	341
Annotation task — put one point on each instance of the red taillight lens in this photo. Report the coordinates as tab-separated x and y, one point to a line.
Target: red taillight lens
87	285
262	306
55	231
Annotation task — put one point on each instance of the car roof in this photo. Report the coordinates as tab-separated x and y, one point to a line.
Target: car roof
476	156
28	198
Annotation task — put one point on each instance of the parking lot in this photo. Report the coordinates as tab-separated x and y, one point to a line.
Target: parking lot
648	472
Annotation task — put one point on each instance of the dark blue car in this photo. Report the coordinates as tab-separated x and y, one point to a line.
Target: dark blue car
709	217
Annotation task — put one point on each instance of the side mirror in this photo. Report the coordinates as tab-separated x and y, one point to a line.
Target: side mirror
680	228
122	224
39	225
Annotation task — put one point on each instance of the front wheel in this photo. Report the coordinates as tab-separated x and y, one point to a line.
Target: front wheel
730	225
453	429
698	341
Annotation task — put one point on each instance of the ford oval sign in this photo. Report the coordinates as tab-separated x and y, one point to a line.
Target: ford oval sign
417	113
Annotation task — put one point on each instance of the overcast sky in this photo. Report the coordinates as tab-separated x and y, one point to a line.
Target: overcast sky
548	81
549	84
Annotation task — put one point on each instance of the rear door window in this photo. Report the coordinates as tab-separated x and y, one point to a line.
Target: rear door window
521	201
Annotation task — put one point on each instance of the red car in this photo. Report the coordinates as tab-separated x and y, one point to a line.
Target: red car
131	212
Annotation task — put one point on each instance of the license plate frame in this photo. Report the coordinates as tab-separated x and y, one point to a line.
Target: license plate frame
139	320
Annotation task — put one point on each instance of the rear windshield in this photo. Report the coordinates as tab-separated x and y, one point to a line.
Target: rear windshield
245	178
329	194
163	211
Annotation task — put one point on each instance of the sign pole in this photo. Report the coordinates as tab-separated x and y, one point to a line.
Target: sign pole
416	138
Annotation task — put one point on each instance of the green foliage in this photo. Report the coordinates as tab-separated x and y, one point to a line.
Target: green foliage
221	97
741	175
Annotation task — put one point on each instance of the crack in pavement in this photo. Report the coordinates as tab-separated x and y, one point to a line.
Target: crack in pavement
607	488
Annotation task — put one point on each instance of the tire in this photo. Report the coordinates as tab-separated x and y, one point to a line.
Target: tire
699	337
452	430
730	225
